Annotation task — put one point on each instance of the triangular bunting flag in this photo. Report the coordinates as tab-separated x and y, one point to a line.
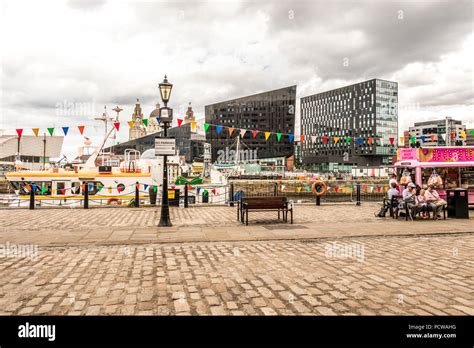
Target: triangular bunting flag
145	187
130	124
336	139
392	139
298	189
206	126
423	138
360	140
348	139
117	125
472	132
313	138
65	130
463	134
254	133
370	140
35	131
412	139
193	126
231	130
19	131
278	136
218	129
198	189
290	137
180	121
155	188
443	136
145	122
402	140
433	137
381	141
242	132
81	129
213	191
301	138
267	135
325	139
99	188
51	131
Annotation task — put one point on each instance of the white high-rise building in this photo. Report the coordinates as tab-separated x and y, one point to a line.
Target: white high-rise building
443	132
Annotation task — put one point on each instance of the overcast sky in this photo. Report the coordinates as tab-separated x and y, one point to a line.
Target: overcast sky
62	61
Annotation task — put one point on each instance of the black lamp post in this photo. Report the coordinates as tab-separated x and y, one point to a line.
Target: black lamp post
166	116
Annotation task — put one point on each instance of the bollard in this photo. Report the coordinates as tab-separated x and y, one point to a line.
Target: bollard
185	195
358	194
318	200
86	195
137	195
32	196
275	189
231	195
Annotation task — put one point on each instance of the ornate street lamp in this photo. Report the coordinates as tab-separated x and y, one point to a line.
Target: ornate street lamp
165	90
166	117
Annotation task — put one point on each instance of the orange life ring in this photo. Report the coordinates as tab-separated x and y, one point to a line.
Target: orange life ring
318	188
114	200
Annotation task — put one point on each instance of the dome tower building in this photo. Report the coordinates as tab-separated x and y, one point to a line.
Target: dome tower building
138	130
153	121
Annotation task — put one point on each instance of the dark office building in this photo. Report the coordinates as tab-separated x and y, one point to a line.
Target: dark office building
272	111
189	144
366	109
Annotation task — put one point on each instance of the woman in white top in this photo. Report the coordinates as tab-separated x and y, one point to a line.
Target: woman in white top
393	178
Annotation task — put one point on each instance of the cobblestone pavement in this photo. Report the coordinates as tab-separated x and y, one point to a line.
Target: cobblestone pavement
371	275
108	226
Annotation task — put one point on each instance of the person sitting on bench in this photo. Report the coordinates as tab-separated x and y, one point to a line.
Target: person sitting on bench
390	194
434	201
409	197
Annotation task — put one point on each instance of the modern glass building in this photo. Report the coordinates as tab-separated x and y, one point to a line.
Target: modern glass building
444	132
364	110
272	111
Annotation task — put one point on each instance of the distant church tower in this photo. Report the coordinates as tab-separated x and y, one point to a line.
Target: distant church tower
138	130
189	114
153	124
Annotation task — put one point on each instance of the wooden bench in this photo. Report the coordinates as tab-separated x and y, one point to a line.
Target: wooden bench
394	209
264	204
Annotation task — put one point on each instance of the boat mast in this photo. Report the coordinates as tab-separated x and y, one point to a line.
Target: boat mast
91	161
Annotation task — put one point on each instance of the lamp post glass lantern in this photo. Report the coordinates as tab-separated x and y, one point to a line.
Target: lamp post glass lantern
166	117
165	90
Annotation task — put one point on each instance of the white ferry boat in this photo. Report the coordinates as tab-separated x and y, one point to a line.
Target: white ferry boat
111	183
